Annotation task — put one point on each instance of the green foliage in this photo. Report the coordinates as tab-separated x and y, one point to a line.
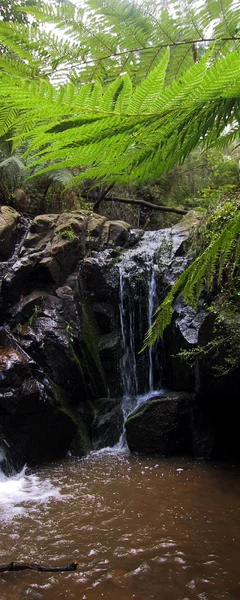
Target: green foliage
68	234
36	311
122	36
10	11
125	95
109	117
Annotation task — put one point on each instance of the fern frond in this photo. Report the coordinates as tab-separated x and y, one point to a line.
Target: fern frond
114	128
119	36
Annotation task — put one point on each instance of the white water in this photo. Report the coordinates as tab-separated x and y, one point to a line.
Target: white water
131	398
20	489
152	307
128	361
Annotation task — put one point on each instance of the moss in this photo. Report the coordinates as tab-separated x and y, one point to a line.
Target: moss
140	410
91	339
108	340
81	443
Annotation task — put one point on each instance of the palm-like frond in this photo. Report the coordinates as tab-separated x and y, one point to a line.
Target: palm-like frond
118	130
108	37
123	134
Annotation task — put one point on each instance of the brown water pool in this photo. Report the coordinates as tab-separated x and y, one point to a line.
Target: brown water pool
139	528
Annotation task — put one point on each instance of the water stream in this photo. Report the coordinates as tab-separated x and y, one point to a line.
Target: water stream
133	393
139	528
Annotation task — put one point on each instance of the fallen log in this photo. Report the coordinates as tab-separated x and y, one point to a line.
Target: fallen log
21	566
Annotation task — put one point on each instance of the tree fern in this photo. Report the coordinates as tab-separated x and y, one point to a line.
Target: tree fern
107	38
116	129
124	95
135	135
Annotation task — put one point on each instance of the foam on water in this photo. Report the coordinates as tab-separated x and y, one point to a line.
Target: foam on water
20	490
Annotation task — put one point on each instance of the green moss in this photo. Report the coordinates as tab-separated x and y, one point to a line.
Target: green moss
81	443
108	340
90	338
140	410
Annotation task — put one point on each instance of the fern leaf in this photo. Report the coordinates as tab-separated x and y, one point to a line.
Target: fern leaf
150	89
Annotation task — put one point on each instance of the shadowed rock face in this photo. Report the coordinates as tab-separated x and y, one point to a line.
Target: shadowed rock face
50	366
172	424
62	348
33	426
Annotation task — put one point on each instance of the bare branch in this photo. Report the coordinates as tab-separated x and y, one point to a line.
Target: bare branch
21	566
144	203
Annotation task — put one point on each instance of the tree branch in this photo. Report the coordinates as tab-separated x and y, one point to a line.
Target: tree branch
145	49
144	203
101	197
21	566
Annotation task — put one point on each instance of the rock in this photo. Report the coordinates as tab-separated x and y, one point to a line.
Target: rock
115	233
43	223
174	423
30	419
108	422
77	296
20	200
40	438
161	426
9	219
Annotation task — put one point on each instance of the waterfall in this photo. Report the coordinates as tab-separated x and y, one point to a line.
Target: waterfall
135	391
152	307
128	364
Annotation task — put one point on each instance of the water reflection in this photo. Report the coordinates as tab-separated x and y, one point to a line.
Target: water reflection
139	528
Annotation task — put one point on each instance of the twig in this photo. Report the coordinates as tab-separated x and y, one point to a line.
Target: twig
21	566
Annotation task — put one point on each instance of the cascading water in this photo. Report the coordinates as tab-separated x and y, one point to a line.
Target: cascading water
134	390
152	307
127	321
19	488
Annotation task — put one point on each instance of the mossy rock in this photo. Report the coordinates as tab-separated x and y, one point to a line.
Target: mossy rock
8	222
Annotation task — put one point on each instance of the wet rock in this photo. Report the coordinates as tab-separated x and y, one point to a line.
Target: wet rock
116	233
174	423
21	393
40	437
108	423
30	420
63	291
161	426
9	219
11	458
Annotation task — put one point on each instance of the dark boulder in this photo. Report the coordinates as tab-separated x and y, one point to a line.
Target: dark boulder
168	425
33	427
